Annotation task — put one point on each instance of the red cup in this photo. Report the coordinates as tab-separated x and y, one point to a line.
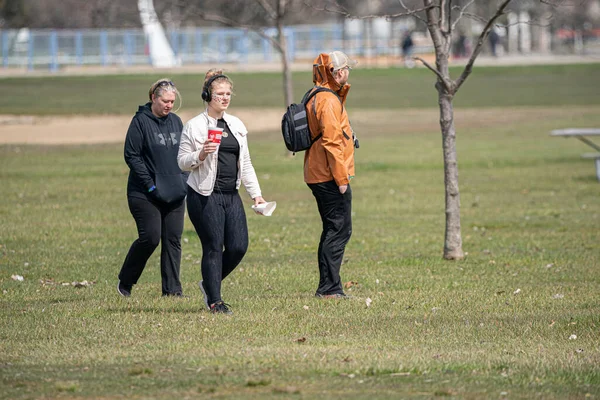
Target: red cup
214	134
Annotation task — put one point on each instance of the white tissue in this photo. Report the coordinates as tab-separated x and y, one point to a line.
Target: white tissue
265	209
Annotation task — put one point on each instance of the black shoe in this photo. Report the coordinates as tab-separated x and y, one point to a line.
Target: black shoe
124	290
333	296
220	308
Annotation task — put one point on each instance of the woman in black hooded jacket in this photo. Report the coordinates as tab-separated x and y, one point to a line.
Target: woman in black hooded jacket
156	189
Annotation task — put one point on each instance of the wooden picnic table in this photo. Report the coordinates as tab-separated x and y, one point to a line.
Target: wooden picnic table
583	134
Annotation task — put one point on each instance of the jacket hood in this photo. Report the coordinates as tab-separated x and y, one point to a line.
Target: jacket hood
146	109
322	71
323	75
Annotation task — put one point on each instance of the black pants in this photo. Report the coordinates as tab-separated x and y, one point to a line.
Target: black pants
336	214
155	222
220	222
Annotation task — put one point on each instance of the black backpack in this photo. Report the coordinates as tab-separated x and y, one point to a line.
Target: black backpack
294	125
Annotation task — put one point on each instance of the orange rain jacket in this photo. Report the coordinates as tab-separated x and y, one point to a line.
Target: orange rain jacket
332	156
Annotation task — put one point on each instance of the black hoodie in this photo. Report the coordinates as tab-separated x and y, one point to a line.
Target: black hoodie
151	148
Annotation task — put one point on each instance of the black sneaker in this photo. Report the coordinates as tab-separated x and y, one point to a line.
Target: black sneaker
124	290
333	296
220	308
201	285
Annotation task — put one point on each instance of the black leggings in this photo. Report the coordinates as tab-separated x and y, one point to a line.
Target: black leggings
220	223
155	223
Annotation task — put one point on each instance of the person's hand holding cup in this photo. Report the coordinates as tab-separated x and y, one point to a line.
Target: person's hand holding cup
215	134
212	143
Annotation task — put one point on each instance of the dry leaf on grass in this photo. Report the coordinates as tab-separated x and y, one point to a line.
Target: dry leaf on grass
82	284
76	284
349	284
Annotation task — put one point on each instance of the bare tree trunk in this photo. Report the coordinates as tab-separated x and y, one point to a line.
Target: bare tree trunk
287	74
452	240
441	33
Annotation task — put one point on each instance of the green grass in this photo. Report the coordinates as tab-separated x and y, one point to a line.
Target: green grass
372	88
495	325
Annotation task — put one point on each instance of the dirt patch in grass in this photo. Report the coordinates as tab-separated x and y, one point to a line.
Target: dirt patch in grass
102	128
112	128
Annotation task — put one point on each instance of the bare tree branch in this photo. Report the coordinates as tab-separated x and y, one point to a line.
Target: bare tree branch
439	42
234	24
414	15
431	17
555	3
435	71
432	25
342	11
532	22
484	33
462	12
267	7
444	17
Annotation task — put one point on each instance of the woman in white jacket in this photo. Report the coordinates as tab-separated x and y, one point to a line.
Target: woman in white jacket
217	171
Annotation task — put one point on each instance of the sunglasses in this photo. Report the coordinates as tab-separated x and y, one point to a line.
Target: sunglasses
162	84
349	68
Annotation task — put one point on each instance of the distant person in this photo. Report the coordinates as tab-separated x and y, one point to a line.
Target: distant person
155	189
217	171
329	167
407	50
494	38
461	49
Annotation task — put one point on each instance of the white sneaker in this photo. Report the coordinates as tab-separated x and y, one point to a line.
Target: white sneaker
204	294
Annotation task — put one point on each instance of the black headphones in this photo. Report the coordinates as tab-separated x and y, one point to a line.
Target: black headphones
206	94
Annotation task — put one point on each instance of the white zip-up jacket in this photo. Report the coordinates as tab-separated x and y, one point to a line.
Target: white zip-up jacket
204	173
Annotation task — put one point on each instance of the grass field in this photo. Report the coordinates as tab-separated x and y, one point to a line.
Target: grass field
519	318
371	89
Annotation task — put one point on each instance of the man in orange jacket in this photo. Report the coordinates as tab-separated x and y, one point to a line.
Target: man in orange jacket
329	166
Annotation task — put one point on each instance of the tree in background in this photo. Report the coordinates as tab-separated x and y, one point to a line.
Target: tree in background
441	17
13	14
68	14
259	16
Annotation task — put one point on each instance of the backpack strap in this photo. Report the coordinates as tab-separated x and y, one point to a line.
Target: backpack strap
310	94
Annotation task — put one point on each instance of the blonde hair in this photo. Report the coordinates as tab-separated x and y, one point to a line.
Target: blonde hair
165	85
221	79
